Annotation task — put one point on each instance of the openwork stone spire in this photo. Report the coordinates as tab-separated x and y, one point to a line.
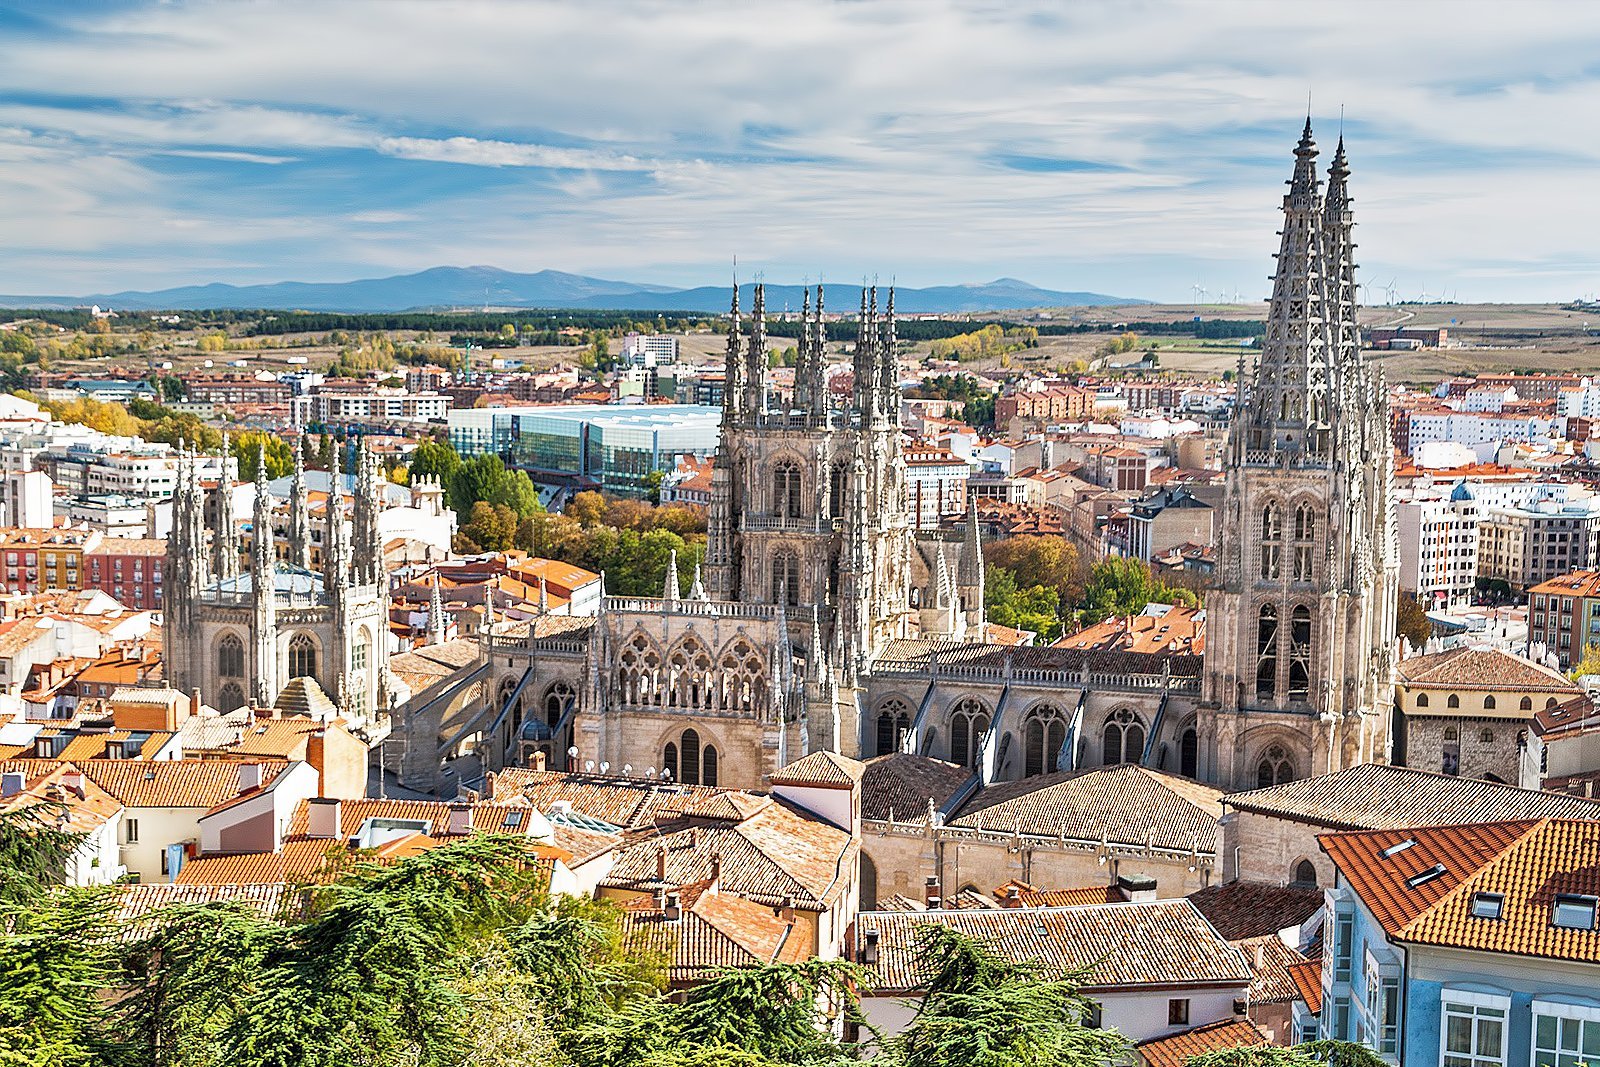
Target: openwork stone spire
1288	406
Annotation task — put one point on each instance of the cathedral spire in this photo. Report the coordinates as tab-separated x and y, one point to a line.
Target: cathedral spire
802	363
889	365
756	353
733	384
697	586
865	363
299	514
1289	408
669	589
335	558
264	588
819	364
436	624
226	546
969	565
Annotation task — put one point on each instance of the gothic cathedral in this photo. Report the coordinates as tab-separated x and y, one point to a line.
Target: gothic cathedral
1300	629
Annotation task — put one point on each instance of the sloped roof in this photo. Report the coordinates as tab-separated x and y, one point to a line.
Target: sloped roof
714	930
1125	804
1307	978
1270	959
820	768
775	854
1527	863
628	802
901	784
1249	909
923	654
1373	795
1164	942
184	783
303	696
1176	1049
1481	668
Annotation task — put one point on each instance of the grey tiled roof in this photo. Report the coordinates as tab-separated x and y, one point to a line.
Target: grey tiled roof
1164	942
901	784
1376	796
1126	804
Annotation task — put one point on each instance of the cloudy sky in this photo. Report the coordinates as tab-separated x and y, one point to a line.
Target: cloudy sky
1135	148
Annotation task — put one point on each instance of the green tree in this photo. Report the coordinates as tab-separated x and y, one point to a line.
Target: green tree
982	1010
1119	585
435	458
252	445
1411	620
1309	1054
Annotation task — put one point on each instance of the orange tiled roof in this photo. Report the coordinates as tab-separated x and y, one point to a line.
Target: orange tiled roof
1578	583
820	768
1063	898
714	930
1175	1050
1307	978
1423	893
183	783
1480	668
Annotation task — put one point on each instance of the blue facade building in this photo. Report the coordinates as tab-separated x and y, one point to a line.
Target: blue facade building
1465	946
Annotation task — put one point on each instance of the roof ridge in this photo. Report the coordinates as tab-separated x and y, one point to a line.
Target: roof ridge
1468	878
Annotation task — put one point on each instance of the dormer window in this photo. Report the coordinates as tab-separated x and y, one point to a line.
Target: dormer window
1572	911
1488	905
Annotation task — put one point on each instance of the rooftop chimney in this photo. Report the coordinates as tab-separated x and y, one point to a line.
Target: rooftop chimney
460	819
538	761
1137	888
661	864
674	909
324	817
869	951
1011	898
930	893
12	783
249	776
716	872
72	781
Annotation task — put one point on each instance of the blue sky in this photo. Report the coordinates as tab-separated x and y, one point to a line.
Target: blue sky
1135	148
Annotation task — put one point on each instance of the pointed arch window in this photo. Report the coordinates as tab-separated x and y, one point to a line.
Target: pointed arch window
669	761
302	657
1305	533
838	486
558	700
1267	654
689	753
786	578
1300	654
1189	753
230	657
894	721
1271	540
786	490
1043	734
1122	738
232	698
1274	768
967	727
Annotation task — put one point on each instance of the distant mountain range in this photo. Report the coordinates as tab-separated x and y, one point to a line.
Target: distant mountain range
467	288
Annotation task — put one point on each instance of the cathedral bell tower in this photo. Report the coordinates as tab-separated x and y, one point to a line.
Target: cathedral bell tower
1300	629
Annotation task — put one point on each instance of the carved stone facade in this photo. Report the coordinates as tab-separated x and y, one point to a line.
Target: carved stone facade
1300	630
240	636
823	623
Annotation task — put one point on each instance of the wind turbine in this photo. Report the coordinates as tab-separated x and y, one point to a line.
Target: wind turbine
1199	293
1388	292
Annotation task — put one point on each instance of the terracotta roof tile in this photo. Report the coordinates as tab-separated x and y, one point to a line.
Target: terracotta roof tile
1250	909
820	768
1270	959
1176	1049
1064	898
713	931
185	783
900	784
1374	795
1164	942
1527	864
1125	804
1481	668
1307	978
921	654
630	803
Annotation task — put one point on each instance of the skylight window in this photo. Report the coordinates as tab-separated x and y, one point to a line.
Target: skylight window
1422	878
1488	905
513	820
1572	912
1396	849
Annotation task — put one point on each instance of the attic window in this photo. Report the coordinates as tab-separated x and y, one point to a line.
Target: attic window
1395	850
1422	878
1572	911
513	820
1488	905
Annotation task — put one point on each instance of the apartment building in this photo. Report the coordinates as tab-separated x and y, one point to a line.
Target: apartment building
936	485
1437	532
1564	615
1524	546
128	568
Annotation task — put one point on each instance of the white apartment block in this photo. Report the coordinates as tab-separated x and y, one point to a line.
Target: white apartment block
649	350
1482	398
27	499
1579	403
377	403
1473	428
936	485
1437	531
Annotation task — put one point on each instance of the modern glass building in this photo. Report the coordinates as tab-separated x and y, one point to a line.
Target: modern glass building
603	446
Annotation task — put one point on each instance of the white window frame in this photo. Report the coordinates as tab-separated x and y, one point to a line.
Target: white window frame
1469	998
1587	1015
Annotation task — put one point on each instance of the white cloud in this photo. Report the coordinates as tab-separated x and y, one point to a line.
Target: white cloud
837	137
